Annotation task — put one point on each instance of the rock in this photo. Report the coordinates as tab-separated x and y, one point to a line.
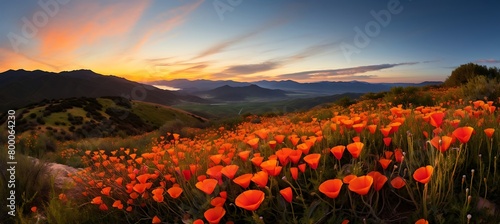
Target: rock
490	207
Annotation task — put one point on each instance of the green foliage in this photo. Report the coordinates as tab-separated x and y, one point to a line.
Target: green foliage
32	185
409	96
465	72
481	87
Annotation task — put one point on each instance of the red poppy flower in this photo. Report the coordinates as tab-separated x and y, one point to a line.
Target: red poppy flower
156	220
398	182
331	188
442	144
250	199
387	141
384	162
423	174
218	201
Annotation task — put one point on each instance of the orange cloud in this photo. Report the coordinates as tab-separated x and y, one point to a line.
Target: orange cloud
87	24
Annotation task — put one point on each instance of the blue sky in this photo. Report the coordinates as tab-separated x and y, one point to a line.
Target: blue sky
249	40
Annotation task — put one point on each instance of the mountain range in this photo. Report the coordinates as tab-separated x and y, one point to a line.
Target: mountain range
311	88
20	87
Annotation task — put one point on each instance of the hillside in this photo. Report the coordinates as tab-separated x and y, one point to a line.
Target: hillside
78	118
242	93
20	87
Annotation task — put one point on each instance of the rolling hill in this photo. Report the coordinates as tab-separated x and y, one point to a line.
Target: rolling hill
20	87
84	117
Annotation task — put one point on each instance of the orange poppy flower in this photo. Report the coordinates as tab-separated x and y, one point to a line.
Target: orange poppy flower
378	179
302	167
355	149
463	134
358	127
216	158
254	143
156	220
388	154
295	156
312	160
384	162
260	178
304	148
229	171
489	132
244	155
198	221
279	138
423	174
118	204
421	221
294	140
361	185
398	182
207	185
218	201
103	207
269	166
105	191
347	179
387	141
283	155
294	171
442	144
338	151
272	144
257	160
436	119
215	172
331	188
97	200
287	194
143	178
214	215
372	128
33	209
175	191
386	131
243	180
250	199
394	126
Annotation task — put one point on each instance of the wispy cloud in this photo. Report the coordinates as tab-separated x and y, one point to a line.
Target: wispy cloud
343	72
251	68
488	61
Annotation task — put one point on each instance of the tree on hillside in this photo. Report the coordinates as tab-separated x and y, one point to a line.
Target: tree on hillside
465	72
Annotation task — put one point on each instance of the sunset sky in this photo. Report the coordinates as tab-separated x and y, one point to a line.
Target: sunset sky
250	40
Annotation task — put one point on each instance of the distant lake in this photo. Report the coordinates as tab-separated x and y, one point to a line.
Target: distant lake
166	87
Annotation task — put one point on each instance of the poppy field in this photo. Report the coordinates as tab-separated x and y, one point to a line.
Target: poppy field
369	163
